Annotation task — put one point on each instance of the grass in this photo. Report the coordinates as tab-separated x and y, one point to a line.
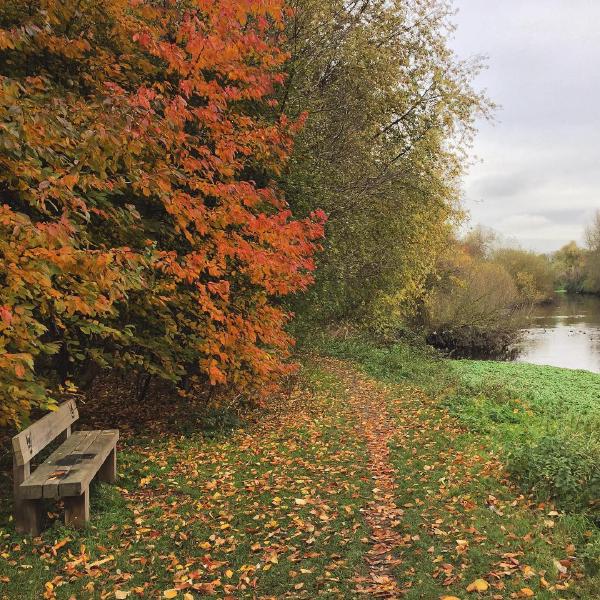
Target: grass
267	511
547	421
467	520
543	422
276	508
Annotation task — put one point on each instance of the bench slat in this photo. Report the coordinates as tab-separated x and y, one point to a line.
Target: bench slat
79	442
31	441
80	476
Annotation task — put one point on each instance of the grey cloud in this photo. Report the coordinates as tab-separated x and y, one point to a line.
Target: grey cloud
539	175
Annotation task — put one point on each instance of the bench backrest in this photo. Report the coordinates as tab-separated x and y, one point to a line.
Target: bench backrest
35	438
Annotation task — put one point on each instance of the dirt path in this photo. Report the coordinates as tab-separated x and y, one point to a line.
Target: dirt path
445	521
368	403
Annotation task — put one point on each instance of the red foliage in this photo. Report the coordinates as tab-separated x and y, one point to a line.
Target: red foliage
140	223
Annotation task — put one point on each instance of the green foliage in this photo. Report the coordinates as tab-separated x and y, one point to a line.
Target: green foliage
551	429
560	463
390	109
532	273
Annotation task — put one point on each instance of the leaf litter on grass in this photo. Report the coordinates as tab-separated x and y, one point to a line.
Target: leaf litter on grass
347	488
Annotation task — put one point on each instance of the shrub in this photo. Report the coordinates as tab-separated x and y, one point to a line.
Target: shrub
473	310
561	464
141	228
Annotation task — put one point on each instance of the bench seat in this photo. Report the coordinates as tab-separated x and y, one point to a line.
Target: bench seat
69	470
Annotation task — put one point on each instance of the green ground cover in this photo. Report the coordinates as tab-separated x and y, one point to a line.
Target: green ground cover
544	422
277	508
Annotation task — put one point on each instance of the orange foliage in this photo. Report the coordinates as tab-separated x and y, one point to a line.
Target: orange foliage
139	222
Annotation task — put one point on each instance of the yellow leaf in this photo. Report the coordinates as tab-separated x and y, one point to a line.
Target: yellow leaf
526	593
528	572
170	593
449	598
300	501
121	594
229	573
188	596
479	585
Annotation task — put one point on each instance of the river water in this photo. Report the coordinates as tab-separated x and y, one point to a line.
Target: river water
564	334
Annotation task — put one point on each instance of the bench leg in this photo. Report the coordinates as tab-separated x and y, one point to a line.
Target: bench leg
26	512
27	516
77	509
108	470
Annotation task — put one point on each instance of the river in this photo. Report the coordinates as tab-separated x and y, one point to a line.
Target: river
564	334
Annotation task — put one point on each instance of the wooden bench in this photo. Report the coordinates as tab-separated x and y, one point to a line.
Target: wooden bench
66	473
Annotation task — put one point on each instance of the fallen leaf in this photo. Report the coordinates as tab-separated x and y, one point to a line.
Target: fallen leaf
528	572
559	567
570	549
60	544
170	593
526	593
479	585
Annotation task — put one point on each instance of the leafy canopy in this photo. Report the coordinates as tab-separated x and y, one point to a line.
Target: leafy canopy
139	223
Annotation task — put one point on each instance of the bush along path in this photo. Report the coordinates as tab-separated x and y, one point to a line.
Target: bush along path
348	488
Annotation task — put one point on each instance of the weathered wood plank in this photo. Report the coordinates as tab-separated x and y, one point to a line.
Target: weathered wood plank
31	441
26	512
58	462
83	472
29	517
77	509
108	470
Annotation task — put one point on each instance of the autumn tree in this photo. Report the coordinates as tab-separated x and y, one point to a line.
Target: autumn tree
390	113
140	226
592	259
532	273
569	263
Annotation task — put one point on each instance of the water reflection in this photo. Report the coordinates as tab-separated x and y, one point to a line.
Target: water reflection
565	334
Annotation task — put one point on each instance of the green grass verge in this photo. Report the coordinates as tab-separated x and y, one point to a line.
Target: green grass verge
543	422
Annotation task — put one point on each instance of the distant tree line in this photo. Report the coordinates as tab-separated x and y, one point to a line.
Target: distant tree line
481	292
577	268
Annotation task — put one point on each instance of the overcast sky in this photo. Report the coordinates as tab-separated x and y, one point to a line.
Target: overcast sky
539	179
